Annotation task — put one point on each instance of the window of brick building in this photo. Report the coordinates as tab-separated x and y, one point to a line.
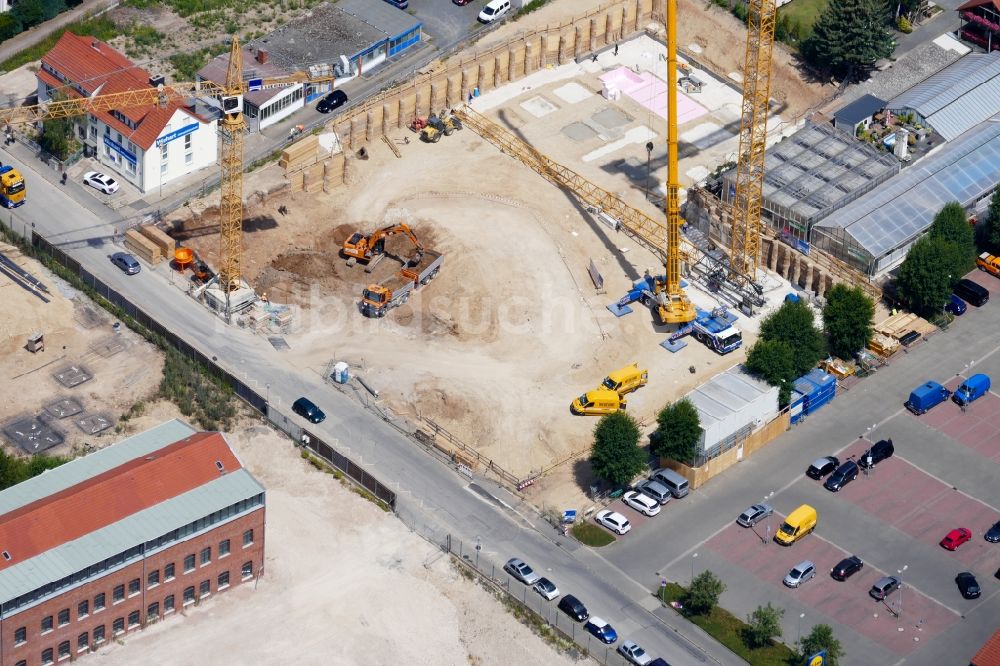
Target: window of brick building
205	588
63	617
20	635
188	563
223	548
206	555
247	570
99	634
168	604
64	649
247	538
153	610
134	586
83	641
99	602
168	572
118	594
83	609
48	656
223	580
188	595
46	623
153	579
133	619
118	626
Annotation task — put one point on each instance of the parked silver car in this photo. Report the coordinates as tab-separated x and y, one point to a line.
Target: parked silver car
800	573
754	515
656	490
521	571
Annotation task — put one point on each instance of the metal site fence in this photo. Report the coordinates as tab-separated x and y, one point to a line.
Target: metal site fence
41	246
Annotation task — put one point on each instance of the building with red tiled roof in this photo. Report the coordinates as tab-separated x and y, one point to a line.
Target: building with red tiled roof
128	535
147	146
989	654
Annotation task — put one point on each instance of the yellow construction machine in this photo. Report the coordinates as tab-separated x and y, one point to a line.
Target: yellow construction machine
365	248
443	123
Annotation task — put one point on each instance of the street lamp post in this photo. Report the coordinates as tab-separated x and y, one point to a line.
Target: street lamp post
649	153
693	558
479	547
801	615
900	572
767	524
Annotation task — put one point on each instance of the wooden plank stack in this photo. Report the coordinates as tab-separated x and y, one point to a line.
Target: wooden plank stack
142	247
166	244
300	154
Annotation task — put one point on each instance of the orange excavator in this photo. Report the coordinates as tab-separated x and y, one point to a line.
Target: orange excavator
365	248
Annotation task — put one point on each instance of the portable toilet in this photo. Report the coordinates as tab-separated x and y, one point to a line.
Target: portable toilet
340	372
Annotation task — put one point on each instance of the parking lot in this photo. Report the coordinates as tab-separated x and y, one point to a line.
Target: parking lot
942	476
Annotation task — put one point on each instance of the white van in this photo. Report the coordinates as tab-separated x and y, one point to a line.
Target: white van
493	10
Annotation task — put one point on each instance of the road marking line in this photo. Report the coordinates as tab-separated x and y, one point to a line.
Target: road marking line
948	485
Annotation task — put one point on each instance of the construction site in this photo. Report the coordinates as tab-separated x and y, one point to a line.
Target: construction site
504	283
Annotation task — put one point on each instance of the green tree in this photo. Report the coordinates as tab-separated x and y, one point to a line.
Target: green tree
771	360
57	137
991	234
29	12
847	320
9	25
951	224
762	625
616	455
848	38
795	324
678	432
821	638
925	279
704	593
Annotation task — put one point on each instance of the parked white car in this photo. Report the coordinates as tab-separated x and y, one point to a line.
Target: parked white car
641	502
546	588
100	181
614	521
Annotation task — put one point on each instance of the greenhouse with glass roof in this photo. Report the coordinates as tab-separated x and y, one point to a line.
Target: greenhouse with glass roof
874	233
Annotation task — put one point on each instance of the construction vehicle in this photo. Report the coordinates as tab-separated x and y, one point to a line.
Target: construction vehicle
444	123
378	299
626	380
598	402
989	263
713	329
232	127
12	193
365	248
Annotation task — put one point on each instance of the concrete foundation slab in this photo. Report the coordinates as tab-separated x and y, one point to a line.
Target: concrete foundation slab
32	435
579	131
572	93
538	106
72	375
93	423
60	409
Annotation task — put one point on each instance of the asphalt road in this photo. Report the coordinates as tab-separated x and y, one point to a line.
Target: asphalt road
686	526
432	497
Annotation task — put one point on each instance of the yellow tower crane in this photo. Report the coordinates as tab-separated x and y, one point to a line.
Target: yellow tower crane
674	306
744	255
232	127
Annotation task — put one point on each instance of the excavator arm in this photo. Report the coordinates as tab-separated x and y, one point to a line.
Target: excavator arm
368	247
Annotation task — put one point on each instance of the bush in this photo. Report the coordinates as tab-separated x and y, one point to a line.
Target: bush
762	625
616	456
903	25
704	593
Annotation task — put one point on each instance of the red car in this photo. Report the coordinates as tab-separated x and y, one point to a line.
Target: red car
461	2
956	538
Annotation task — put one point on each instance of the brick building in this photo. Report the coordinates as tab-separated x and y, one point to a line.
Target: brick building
123	537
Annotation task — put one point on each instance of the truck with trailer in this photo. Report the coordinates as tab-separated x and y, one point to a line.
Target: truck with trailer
378	299
12	191
713	329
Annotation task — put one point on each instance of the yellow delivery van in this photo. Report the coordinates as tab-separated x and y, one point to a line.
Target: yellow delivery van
799	523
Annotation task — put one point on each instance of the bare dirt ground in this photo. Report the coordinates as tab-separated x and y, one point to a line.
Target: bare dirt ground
345	583
76	333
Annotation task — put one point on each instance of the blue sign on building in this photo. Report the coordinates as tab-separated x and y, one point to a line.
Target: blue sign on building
176	134
117	147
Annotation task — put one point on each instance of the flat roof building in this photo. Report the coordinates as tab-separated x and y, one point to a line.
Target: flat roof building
731	405
100	546
858	113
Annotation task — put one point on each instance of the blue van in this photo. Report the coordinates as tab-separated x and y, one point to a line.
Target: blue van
972	389
955	305
925	396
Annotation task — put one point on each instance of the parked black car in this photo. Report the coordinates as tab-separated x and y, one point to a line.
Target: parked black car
846	568
879	451
574	608
305	408
840	478
822	467
993	534
334	100
967	585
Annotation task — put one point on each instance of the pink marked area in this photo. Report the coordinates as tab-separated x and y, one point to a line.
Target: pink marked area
651	92
848	602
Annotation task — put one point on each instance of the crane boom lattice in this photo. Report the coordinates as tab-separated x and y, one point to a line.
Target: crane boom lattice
745	242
